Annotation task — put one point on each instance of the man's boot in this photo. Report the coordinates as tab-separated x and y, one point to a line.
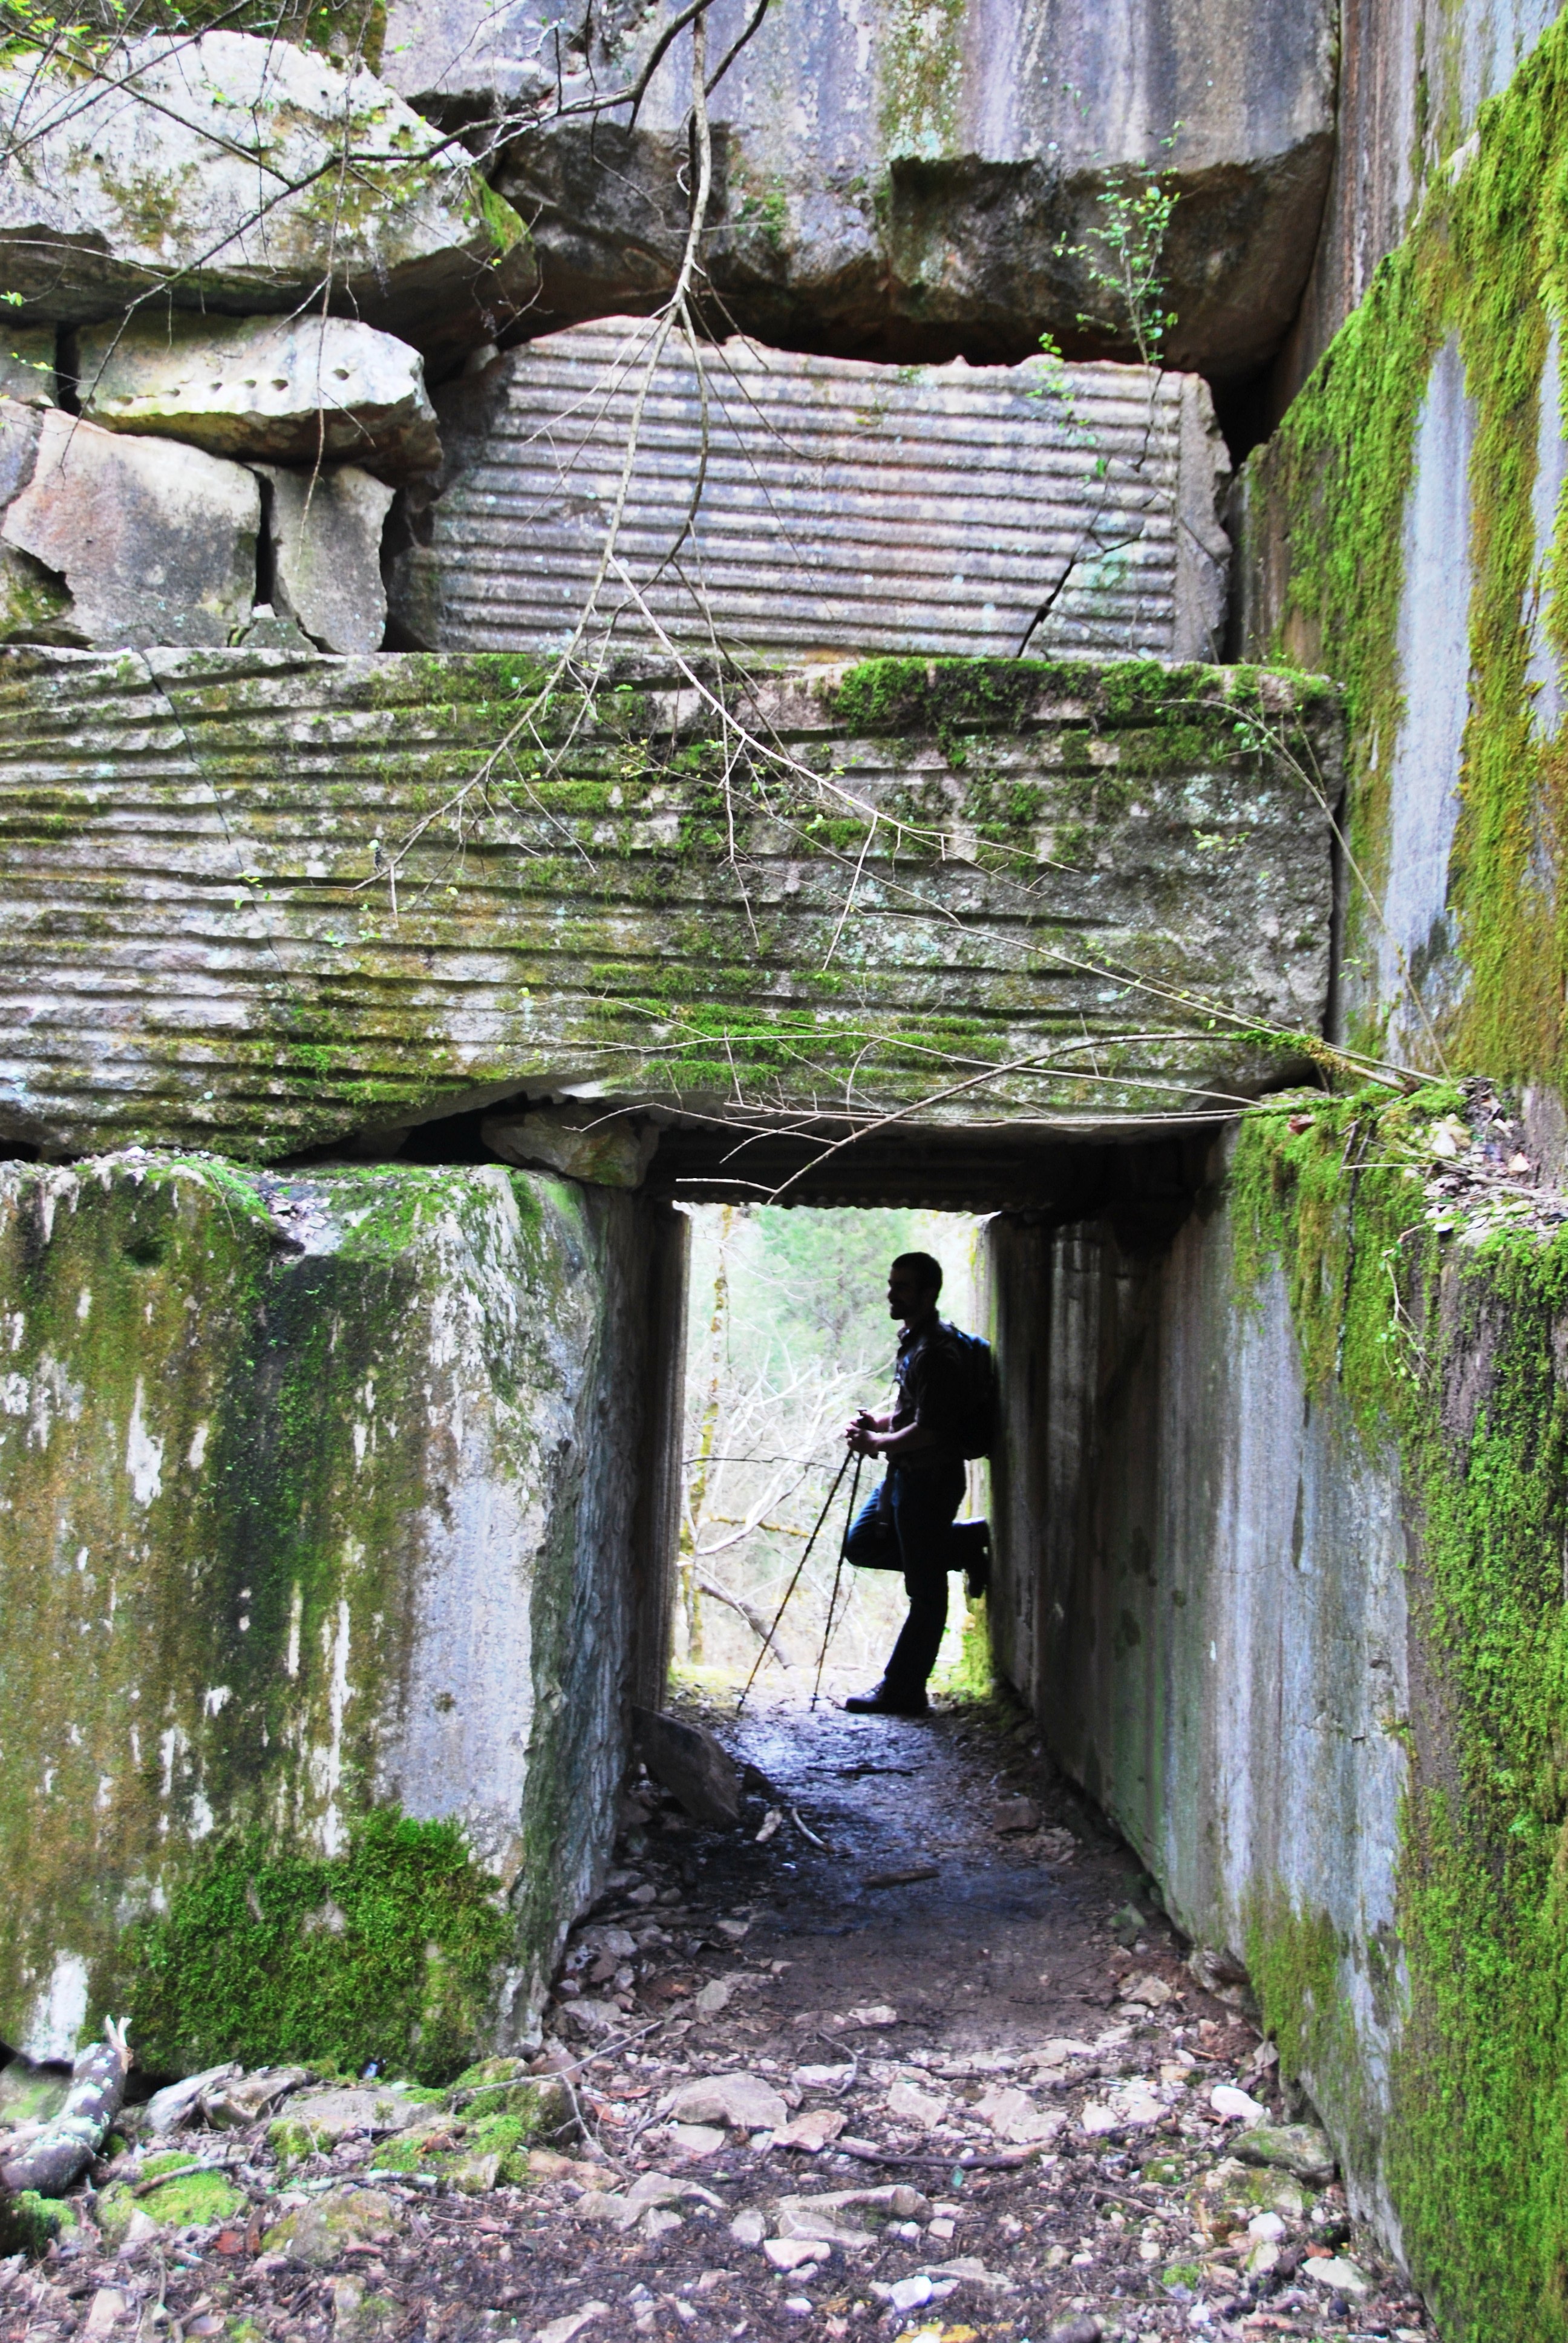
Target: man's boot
887	1699
971	1554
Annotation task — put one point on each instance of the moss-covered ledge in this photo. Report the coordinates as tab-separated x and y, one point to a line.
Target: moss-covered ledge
315	1563
255	900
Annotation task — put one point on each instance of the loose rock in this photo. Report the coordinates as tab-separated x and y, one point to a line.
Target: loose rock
325	537
1298	2149
745	2102
203	172
317	2234
690	1761
277	390
155	544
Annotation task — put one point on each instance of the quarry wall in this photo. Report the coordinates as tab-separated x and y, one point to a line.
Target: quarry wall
1404	528
318	1573
1281	1512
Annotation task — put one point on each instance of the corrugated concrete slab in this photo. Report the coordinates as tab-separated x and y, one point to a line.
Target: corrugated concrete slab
801	507
966	892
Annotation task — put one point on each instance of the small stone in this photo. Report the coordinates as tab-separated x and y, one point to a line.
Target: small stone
1236	2105
692	1763
657	2221
335	2113
1337	2275
1014	1817
317	2234
139	2229
744	2102
247	2098
905	2104
166	2110
811	2130
698	2140
875	2014
358	2316
275	390
325	534
822	2078
1097	2119
821	2221
1077	2330
907	2293
795	2253
1136	2104
1301	2149
474	2176
108	2307
749	2228
1266	2225
562	2331
799	2306
713	1997
1013	2115
1151	1992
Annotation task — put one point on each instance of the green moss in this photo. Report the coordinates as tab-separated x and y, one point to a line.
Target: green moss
1445	1356
1296	1962
1487	264
293	2142
196	2201
243	1965
30	2223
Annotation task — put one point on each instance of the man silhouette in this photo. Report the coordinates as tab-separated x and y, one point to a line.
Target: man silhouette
908	1524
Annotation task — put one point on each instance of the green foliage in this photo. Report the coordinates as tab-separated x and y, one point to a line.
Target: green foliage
342	28
384	1953
1123	259
1443	1352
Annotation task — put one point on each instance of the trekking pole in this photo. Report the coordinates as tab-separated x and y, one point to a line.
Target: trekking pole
789	1590
838	1575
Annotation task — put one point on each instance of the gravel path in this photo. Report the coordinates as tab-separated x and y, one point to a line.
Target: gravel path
911	2053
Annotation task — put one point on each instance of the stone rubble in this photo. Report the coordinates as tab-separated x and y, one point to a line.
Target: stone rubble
976	2173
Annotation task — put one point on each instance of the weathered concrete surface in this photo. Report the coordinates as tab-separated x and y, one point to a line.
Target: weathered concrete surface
236	913
318	1501
325	534
1417	973
154	543
1404	977
844	509
1412	76
1200	1590
909	183
233	172
277	390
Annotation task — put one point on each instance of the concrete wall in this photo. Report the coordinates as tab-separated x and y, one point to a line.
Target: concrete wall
1200	1591
1412	76
316	1500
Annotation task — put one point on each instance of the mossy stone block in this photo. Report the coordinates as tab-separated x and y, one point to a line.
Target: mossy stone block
317	2233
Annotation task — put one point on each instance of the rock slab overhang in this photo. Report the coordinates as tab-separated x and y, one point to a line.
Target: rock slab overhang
259	900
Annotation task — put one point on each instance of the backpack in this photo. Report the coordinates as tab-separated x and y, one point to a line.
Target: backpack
977	1423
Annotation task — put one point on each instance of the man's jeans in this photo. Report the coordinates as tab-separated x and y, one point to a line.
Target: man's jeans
908	1526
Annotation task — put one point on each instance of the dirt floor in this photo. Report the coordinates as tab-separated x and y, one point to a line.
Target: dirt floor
912	2052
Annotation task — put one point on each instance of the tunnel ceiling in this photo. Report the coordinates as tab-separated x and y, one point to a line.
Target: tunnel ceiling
261	901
